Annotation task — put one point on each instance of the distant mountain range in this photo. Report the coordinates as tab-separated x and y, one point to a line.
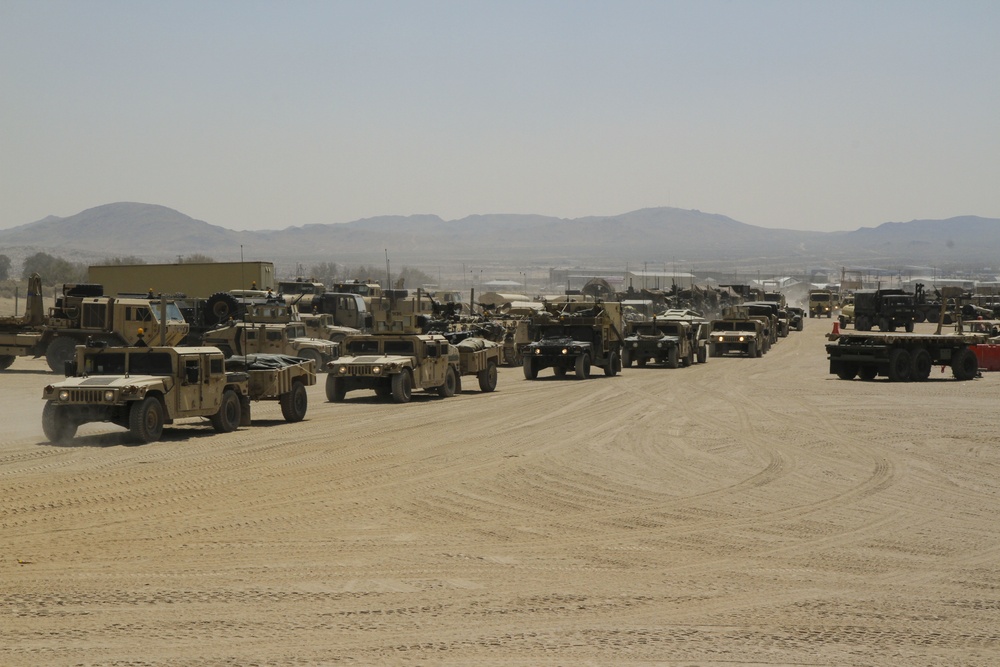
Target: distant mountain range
655	235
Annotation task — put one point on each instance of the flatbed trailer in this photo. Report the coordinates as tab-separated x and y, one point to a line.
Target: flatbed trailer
902	357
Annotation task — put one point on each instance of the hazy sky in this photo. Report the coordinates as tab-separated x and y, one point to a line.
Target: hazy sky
261	115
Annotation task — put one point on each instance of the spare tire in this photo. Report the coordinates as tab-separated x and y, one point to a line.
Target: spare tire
220	307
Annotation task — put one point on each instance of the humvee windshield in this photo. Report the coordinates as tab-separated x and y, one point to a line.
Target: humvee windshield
139	363
359	347
402	347
819	297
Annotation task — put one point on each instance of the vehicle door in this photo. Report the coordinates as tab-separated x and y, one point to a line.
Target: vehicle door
190	386
435	363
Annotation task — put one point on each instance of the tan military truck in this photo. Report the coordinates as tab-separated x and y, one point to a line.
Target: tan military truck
393	365
822	303
572	336
83	313
322	326
737	332
658	341
242	338
143	388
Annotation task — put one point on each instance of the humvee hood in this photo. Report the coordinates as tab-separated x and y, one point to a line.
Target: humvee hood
91	381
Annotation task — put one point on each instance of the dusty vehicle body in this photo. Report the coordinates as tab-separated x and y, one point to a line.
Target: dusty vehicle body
572	336
393	365
243	338
669	342
476	356
737	333
700	329
821	303
82	313
796	317
846	311
902	357
322	326
275	377
768	314
885	308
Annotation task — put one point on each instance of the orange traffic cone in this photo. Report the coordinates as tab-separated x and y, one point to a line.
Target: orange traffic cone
836	328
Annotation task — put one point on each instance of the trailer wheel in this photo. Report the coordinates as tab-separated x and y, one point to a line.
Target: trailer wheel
899	365
227	419
5	361
335	389
848	370
920	365
488	377
402	386
60	350
868	372
56	423
294	403
145	420
583	367
611	369
965	365
530	370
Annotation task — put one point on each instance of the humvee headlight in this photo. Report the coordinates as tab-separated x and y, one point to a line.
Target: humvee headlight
565	350
376	370
741	339
659	345
538	350
63	395
722	338
109	396
635	344
342	370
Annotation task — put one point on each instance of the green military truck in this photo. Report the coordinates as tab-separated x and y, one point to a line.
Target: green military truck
144	388
574	336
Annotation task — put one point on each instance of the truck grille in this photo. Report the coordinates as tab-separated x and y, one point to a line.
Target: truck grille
86	396
359	371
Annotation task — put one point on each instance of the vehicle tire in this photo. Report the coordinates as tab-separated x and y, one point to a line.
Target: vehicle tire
227	419
447	390
488	377
868	372
220	307
899	365
57	424
752	349
713	351
948	319
672	358
583	367
336	389
848	370
965	365
702	355
920	316
402	386
688	359
626	359
294	403
861	324
313	356
530	370
5	361
841	319
145	419
909	327
59	351
920	365
883	324
611	369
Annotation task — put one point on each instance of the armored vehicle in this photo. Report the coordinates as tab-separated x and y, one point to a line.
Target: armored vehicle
737	332
821	303
242	338
143	388
885	308
83	313
393	365
669	342
572	336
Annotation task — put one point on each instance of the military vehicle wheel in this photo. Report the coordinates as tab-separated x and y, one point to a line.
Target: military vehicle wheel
965	365
626	359
583	367
841	319
672	361
848	370
920	365
862	324
145	420
313	356
335	389
948	319
899	365
220	307
488	377
294	403
227	419
60	350
447	390
702	355
713	351
611	369
752	349
868	372
909	327
57	424
5	361
530	370
402	387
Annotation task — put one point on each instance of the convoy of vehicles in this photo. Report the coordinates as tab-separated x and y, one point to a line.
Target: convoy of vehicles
242	338
144	388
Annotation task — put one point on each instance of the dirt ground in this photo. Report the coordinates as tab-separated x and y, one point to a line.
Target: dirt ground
743	512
